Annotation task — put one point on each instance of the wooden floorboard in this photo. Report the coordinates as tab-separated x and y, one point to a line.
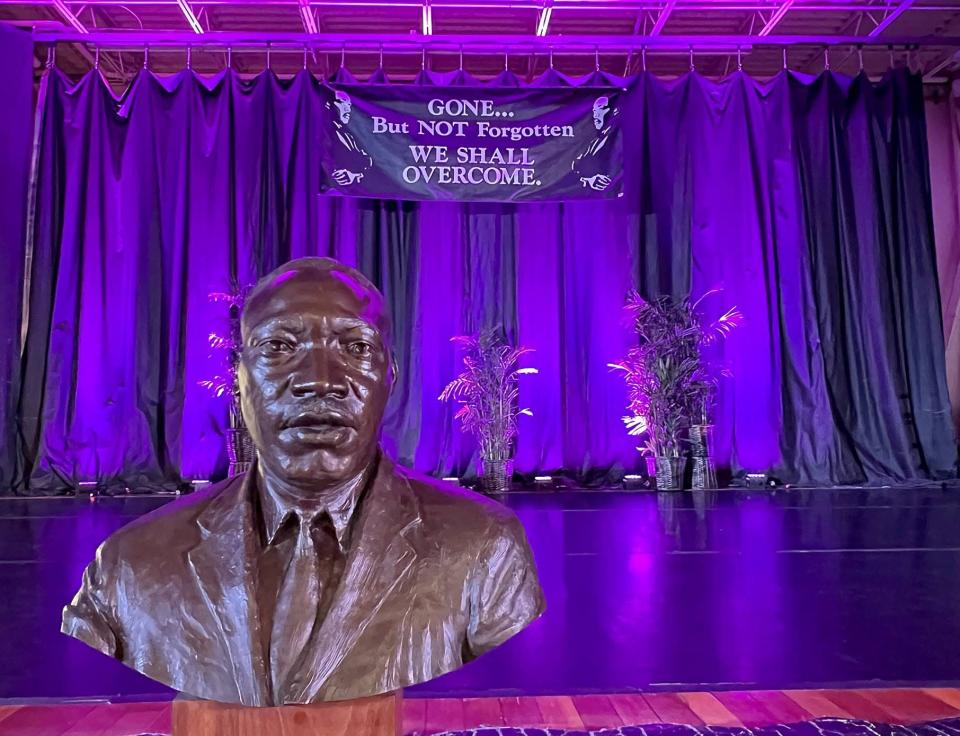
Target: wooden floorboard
482	712
7	711
101	721
858	705
781	708
444	714
521	712
671	708
558	711
596	711
709	709
910	706
414	715
163	723
817	704
946	695
748	708
633	709
140	718
52	720
430	716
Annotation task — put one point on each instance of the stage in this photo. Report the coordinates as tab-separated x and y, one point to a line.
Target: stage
647	592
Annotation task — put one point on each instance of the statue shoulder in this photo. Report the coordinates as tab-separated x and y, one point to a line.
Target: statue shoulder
445	504
166	530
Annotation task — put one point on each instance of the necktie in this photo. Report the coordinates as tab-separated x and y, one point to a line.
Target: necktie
297	606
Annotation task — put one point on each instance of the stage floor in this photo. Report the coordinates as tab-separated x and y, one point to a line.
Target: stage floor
578	712
646	592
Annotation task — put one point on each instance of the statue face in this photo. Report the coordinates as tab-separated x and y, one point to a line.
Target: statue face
315	375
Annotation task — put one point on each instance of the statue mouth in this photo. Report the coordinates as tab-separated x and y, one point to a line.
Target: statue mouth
322	428
319	419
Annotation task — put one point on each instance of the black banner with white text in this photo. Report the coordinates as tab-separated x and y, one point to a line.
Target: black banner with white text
472	143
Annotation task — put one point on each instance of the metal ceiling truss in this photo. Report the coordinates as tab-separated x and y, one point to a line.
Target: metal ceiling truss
652	15
886	10
861	23
473	43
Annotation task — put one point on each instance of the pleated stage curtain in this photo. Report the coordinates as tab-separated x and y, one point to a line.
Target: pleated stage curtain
806	199
943	126
16	81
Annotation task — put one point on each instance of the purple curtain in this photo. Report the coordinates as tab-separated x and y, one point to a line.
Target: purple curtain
806	199
943	131
16	81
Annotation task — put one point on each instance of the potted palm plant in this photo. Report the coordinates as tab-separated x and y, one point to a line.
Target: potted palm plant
488	391
240	449
670	385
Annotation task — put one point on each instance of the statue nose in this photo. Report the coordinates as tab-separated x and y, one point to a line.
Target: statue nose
319	374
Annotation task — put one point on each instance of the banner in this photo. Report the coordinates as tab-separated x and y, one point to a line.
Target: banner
471	144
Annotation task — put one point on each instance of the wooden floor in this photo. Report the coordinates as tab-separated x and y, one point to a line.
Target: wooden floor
427	716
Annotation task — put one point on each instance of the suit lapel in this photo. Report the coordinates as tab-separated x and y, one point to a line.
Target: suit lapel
224	566
380	559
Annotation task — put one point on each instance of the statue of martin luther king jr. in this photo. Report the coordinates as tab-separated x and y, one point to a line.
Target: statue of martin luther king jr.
326	572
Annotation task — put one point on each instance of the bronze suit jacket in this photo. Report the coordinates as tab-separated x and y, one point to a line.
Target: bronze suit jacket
434	577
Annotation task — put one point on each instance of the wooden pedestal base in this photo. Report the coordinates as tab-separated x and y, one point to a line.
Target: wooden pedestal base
375	716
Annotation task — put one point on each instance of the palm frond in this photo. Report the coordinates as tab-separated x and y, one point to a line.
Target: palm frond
228	343
487	389
669	383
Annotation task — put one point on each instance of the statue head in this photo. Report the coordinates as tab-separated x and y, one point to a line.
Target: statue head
315	372
343	104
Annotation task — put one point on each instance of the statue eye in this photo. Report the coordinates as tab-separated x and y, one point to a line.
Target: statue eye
276	347
360	349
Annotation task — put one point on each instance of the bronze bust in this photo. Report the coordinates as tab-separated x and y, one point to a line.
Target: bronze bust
326	572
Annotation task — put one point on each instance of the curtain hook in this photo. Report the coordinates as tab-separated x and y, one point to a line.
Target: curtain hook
189	57
381	57
461	57
550	56
826	59
784	58
506	60
860	56
890	52
146	56
229	57
343	56
423	58
268	57
304	57
596	58
96	59
51	55
739	59
643	58
692	67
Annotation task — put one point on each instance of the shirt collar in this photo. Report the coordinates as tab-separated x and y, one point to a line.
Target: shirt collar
340	507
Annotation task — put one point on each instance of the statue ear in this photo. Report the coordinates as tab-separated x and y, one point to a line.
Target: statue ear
394	371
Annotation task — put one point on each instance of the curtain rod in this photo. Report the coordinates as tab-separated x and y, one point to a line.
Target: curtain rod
469	43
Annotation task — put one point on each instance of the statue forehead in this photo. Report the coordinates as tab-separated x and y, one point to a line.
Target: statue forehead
317	291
